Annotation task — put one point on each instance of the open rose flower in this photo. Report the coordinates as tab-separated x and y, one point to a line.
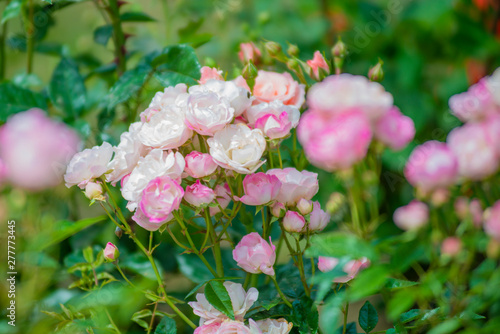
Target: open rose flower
411	216
274	326
271	86
395	129
171	96
260	189
238	97
88	165
198	194
161	196
295	185
199	165
208	113
255	255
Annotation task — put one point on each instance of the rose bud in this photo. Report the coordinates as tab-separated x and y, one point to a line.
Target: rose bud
451	246
318	218
199	194
293	222
93	191
411	216
255	255
278	210
111	252
305	206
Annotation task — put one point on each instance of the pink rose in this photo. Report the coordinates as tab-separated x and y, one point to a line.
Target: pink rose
249	52
35	150
111	252
208	112
241	82
161	196
394	129
305	206
199	165
411	216
431	165
211	328
493	130
293	222
260	189
318	62
222	197
198	194
318	218
475	104
492	221
3	172
209	73
143	221
273	326
274	127
255	255
233	327
451	246
351	268
295	185
271	86
476	212
93	191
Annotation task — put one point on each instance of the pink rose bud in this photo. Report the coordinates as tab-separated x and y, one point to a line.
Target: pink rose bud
461	206
222	196
351	268
249	52
275	127
451	246
431	165
93	191
411	216
260	189
394	129
208	73
198	194
305	206
318	62
295	185
111	252
293	222
161	196
492	221
199	165
318	218
255	255
376	73
278	210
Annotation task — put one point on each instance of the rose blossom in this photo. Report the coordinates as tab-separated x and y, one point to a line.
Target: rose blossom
318	218
274	326
171	96
451	246
3	172
394	129
88	165
222	197
207	113
305	206
208	329
240	300
238	148
278	210
209	73
475	151
431	165
293	222
475	104
161	196
492	221
493	131
93	191
198	194
238	97
143	221
199	165
295	185
411	216
249	52
35	149
255	255
271	86
260	189
341	93
274	119
233	327
111	252
351	268
316	63
338	143
155	164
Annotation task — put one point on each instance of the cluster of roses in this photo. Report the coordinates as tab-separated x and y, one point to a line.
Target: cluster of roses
471	153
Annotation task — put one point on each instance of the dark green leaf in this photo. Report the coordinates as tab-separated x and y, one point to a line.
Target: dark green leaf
305	316
400	302
138	316
136	17
177	64
67	88
339	244
12	10
198	286
128	84
410	315
368	317
217	295
103	34
166	326
349	329
14	99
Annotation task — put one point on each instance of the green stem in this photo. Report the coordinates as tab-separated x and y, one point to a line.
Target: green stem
273	278
30	38
118	36
216	245
301	269
346	311
279	156
123	275
2	48
111	321
150	327
270	155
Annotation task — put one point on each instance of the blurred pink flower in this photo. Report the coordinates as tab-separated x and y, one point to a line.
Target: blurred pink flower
255	255
475	104
351	268
411	216
318	62
209	73
271	86
222	196
295	185
318	218
394	129
492	221
161	196
260	189
249	52
293	222
199	165
451	246
198	194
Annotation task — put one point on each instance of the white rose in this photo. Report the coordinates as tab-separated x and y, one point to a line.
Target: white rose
208	113
88	164
274	326
170	96
238	148
238	97
156	163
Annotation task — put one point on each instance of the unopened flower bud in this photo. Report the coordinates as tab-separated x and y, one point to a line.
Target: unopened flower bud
376	73
440	197
305	206
111	252
118	232
451	246
293	50
293	222
339	49
273	48
250	72
93	191
293	64
335	203
278	210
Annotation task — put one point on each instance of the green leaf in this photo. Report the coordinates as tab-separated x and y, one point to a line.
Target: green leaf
177	64
410	315
12	10
339	244
449	326
128	84
166	326
394	283
400	302
49	1
67	88
349	329
138	316
305	316
88	254
136	17
14	99
103	34
139	264
368	282
368	317
330	312
198	286
217	295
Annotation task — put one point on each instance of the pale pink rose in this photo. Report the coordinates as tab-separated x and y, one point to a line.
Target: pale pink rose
475	151
110	252
209	73
238	148
240	300
35	150
198	194
278	210
309	124
451	246
293	222
305	206
260	189
239	98
271	86
249	52
263	111
412	216
160	198
351	268
341	93
339	143
318	62
492	221
222	197
295	185
3	172
88	165
318	218
461	206
93	191
170	97
275	127
469	210
255	255
241	82
207	113
274	326
394	129
233	327
431	165
492	125
143	221
199	165
211	328
475	104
